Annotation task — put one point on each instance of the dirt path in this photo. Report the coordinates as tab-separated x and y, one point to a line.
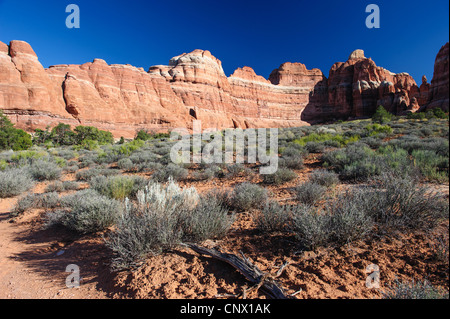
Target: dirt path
32	268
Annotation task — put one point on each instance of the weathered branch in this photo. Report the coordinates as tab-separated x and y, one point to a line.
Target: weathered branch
264	281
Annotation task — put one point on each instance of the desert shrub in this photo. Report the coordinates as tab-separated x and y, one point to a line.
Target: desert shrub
315	142
381	116
46	200
291	161
224	197
246	196
431	165
89	212
294	150
15	181
237	169
28	156
399	202
310	193
281	176
310	227
170	171
414	290
209	219
44	170
71	168
152	225
375	129
3	164
372	142
273	217
317	147
128	148
126	164
86	175
348	221
59	186
324	177
207	174
118	186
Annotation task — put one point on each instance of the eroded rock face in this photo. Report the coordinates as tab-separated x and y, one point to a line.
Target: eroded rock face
356	88
438	95
193	86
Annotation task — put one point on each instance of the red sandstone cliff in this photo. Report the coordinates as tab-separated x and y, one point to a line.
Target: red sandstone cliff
124	99
438	95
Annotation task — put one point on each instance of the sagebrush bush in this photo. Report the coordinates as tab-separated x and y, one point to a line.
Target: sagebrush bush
246	196
237	169
15	181
310	193
324	177
414	290
273	217
173	171
59	186
281	176
400	202
88	212
163	217
209	219
118	186
310	227
291	161
42	170
348	221
46	200
126	164
87	174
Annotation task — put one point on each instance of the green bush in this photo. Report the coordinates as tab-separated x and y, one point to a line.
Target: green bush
375	129
341	140
11	137
381	116
118	187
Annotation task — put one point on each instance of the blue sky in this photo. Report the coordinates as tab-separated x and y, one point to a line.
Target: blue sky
260	34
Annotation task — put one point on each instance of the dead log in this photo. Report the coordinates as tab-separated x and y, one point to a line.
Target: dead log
261	280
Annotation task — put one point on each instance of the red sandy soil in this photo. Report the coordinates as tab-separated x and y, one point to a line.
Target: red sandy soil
33	260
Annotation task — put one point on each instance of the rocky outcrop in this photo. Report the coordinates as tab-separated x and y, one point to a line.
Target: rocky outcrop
438	95
124	98
356	88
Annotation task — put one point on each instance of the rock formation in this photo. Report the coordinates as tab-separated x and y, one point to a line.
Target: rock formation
438	95
356	88
124	99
